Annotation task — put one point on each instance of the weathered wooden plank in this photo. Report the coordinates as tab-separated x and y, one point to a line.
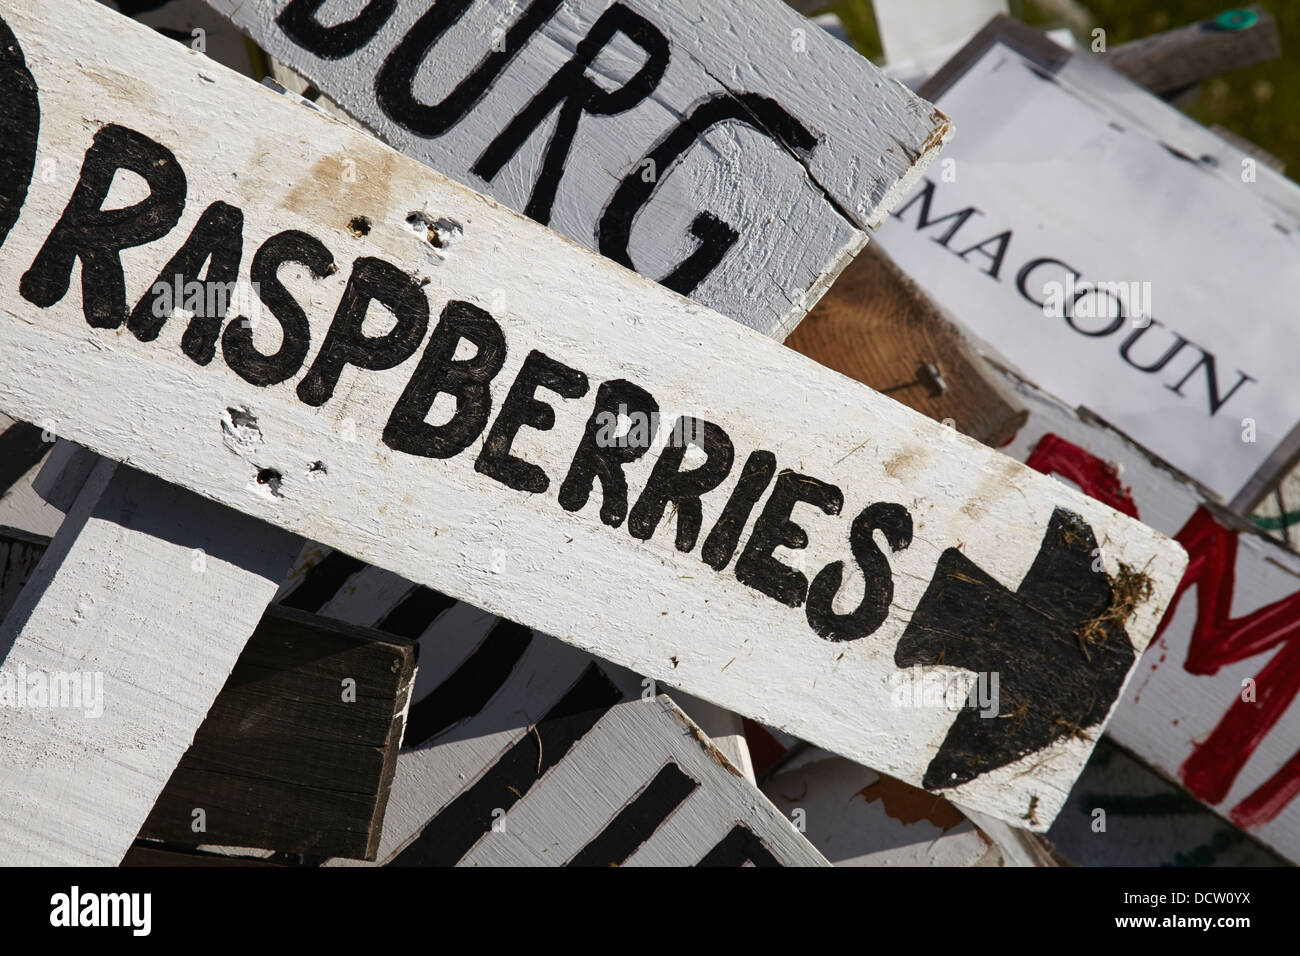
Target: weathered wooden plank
112	655
877	326
298	751
695	140
644	786
1174	59
1138	336
484	684
962	523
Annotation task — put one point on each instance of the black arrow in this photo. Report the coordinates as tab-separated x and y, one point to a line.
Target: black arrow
1057	644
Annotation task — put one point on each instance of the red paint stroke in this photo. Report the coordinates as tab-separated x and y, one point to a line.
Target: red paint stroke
1271	799
1217	641
1097	478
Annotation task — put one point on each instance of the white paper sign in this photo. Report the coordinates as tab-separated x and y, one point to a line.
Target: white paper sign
1046	198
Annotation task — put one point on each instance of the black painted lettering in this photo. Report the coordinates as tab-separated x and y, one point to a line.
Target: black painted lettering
466	380
522	407
237	341
895	522
923	221
1211	382
575	93
1022	277
715	236
755	476
757	567
601	456
668	482
217	240
1160	363
20	121
372	280
97	236
396	79
299	23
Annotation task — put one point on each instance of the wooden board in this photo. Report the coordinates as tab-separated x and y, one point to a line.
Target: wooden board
485	685
298	751
23	448
729	149
135	616
1232	631
878	327
1021	221
961	523
289	758
641	786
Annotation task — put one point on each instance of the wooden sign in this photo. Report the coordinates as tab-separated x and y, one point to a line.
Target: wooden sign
564	442
733	151
1213	704
1100	259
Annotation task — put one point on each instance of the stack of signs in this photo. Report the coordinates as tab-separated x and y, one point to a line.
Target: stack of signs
1107	262
763	533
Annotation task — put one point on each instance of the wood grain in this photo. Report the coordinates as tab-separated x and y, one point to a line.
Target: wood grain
284	760
877	326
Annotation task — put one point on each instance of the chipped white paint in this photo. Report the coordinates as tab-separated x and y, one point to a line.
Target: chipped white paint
645	605
153	591
801	214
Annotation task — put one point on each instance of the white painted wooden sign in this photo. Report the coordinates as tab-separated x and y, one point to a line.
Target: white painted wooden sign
1103	261
730	150
1215	703
560	441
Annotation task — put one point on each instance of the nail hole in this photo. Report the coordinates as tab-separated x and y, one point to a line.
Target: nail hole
359	226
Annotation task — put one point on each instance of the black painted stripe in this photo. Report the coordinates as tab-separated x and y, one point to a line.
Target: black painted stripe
638	820
737	848
464	821
323	582
415	612
468	690
21	449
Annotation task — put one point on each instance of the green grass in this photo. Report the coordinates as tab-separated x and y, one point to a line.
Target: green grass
1260	103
